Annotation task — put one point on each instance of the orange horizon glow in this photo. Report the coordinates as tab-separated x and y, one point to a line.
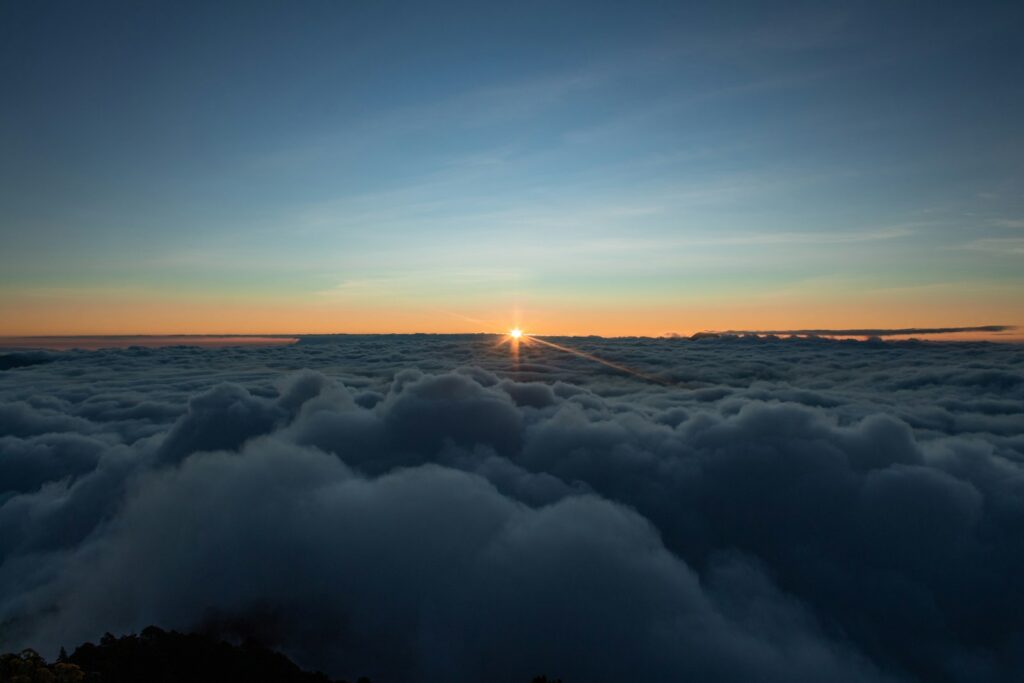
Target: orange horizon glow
31	316
99	341
221	338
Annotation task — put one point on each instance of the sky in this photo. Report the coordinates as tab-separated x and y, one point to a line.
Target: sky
571	167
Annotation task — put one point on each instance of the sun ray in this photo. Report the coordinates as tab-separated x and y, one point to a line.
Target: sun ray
602	361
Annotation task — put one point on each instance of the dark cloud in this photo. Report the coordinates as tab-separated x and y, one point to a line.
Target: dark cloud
427	508
20	359
878	332
26	464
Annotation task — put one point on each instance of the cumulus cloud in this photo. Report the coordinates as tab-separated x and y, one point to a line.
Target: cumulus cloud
429	508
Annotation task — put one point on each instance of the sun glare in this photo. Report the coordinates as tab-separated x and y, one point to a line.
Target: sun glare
515	333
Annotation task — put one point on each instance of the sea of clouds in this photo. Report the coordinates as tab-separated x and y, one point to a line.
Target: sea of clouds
421	508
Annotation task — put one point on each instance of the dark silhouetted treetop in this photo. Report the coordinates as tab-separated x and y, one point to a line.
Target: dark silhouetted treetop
29	667
159	656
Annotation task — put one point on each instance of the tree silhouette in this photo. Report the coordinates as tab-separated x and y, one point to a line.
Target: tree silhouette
29	667
158	656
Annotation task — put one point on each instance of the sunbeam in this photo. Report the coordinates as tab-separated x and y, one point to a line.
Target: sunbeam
516	336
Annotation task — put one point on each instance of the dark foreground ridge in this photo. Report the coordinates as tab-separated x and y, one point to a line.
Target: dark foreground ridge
158	656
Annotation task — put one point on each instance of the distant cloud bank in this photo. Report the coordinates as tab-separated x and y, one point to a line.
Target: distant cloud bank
879	332
428	509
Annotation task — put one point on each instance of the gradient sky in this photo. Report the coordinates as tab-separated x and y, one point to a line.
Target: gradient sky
605	168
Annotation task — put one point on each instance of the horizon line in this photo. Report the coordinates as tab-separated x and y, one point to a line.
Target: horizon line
804	332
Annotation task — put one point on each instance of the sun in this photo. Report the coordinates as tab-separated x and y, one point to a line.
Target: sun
515	333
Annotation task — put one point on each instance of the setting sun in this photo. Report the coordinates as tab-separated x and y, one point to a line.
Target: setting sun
515	333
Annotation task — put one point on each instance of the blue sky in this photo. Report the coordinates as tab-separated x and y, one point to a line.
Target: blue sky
714	165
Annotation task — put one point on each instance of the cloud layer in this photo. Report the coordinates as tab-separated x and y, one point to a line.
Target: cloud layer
429	508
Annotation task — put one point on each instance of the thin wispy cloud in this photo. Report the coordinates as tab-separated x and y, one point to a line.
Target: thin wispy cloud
1007	246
